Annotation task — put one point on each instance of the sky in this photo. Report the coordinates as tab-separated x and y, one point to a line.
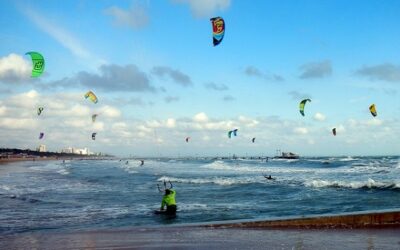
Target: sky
159	79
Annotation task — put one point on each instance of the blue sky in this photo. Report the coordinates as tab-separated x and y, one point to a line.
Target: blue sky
159	79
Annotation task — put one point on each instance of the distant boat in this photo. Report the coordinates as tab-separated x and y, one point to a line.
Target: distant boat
288	155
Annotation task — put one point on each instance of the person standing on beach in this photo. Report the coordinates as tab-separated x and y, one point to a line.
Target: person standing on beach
169	201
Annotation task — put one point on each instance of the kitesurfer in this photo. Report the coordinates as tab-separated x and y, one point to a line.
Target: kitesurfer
141	162
269	177
169	201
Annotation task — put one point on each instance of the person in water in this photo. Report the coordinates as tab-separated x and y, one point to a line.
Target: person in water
269	177
169	201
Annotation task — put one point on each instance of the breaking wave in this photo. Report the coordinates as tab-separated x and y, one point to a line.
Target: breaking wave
369	184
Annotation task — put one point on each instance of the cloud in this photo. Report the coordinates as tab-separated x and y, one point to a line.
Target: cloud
316	70
177	76
200	117
217	87
228	98
299	96
134	101
67	122
204	8
385	72
171	123
255	72
170	99
319	117
14	69
62	36
300	131
112	77
136	17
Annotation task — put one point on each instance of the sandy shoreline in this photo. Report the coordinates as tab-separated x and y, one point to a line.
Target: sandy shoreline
377	230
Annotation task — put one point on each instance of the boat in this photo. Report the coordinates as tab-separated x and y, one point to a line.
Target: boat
288	155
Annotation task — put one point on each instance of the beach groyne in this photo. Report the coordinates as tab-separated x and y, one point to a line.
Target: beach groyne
358	220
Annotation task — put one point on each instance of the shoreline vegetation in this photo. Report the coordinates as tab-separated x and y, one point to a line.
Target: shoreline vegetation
8	155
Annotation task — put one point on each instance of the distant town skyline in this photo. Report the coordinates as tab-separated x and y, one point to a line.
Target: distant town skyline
159	79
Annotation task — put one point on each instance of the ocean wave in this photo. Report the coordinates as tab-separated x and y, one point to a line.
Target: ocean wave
369	184
270	169
348	158
214	180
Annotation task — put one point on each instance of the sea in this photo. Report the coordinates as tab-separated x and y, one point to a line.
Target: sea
116	193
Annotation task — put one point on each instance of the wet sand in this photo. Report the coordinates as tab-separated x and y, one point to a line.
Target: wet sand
373	231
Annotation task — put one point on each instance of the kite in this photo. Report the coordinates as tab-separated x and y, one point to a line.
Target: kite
302	104
234	132
41	135
334	131
253	139
94	117
91	96
187	139
94	136
372	109
218	25
39	110
38	63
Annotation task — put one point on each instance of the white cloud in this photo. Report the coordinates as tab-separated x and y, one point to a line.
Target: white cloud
319	117
69	124
61	35
300	131
18	123
110	112
77	123
171	123
3	110
14	69
374	122
136	17
200	117
205	8
248	122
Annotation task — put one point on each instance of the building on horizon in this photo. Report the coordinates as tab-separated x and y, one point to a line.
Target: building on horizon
41	148
78	151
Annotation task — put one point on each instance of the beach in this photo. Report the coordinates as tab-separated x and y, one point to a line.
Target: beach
379	231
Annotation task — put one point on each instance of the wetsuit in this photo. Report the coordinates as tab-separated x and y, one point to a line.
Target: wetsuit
169	201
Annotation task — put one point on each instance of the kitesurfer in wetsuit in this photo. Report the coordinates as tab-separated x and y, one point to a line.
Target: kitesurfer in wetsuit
169	201
269	177
141	162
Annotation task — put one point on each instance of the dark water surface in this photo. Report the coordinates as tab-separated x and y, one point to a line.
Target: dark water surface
110	194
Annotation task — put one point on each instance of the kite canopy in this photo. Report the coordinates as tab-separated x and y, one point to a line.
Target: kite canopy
41	135
302	104
39	110
372	109
334	131
94	117
38	63
94	136
218	25
91	96
234	132
253	139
